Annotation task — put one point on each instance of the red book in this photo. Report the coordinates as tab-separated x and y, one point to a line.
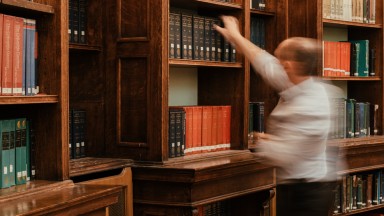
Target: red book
213	146
227	126
206	133
196	129
6	72
18	56
188	130
220	133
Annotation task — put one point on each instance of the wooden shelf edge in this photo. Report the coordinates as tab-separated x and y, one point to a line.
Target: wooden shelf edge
214	4
198	63
208	200
36	99
357	142
366	209
84	47
262	12
360	169
30	188
349	23
89	165
28	5
351	78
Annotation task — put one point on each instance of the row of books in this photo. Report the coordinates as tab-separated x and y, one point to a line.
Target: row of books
348	58
16	148
257	4
256	120
358	191
77	21
197	129
18	56
193	37
258	31
353	119
363	11
77	142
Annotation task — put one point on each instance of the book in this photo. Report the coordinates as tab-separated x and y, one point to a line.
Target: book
372	60
172	135
362	55
17	57
4	161
12	160
19	166
7	52
24	151
70	21
171	36
75	21
82	32
1	44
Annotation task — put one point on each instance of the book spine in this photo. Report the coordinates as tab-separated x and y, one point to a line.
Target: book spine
172	135
177	17
7	73
12	154
76	133
1	44
75	23
189	21
82	21
171	36
18	57
82	130
201	38
4	161
196	37
18	152
207	39
24	151
70	21
31	141
184	36
70	128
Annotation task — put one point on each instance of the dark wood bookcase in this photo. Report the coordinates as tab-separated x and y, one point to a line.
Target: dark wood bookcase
48	112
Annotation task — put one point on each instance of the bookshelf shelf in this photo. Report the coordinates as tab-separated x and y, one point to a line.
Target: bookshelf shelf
339	23
84	47
355	142
89	165
36	99
362	210
205	4
350	78
261	12
196	63
26	6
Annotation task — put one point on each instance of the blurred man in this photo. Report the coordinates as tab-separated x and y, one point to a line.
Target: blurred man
298	127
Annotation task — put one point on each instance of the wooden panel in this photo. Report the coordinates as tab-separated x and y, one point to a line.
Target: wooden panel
132	91
134	21
70	200
124	178
201	181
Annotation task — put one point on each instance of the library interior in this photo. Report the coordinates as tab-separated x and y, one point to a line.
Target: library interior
180	114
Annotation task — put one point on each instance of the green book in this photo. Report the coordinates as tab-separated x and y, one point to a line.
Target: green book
5	180
12	160
362	57
28	149
21	155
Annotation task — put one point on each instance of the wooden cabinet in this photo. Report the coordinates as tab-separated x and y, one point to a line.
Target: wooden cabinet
51	191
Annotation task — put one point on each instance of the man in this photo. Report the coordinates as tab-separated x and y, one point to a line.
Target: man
298	127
